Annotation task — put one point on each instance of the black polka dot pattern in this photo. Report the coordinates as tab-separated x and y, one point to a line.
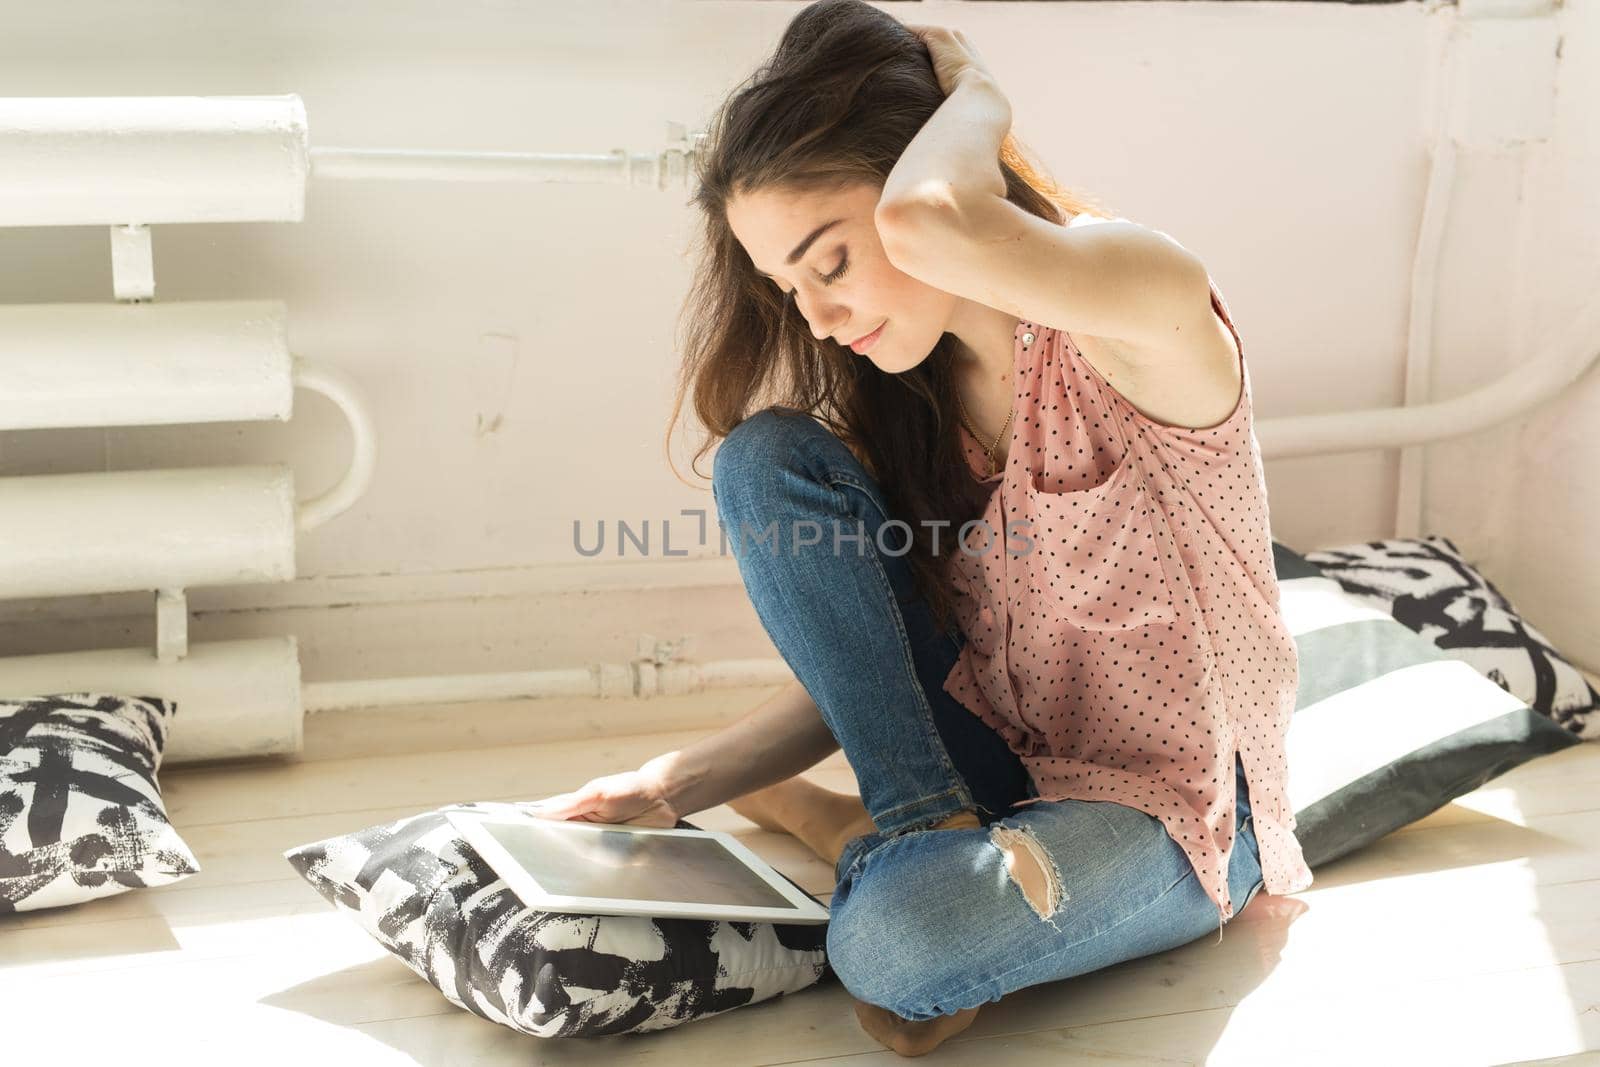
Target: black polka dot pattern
1136	645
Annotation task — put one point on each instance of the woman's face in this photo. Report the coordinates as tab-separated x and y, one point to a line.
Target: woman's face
841	281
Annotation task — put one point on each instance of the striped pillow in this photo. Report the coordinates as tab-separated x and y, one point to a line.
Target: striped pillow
1387	728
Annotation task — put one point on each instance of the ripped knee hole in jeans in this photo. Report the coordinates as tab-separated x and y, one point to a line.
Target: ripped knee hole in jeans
1032	870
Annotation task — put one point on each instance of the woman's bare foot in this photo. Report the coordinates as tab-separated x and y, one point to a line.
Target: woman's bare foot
824	821
906	1037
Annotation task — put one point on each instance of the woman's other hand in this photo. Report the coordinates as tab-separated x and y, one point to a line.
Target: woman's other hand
636	797
952	54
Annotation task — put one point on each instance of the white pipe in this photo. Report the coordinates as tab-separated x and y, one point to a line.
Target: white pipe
1410	486
121	160
641	678
135	161
125	531
232	699
144	364
341	389
1516	393
619	166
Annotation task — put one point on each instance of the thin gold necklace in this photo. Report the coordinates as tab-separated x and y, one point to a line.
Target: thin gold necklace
989	451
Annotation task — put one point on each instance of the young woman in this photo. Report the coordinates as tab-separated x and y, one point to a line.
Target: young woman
987	462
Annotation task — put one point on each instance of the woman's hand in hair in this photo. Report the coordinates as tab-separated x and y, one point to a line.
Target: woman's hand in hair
952	54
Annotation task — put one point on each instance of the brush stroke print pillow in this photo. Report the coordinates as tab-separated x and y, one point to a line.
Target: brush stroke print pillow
423	892
81	815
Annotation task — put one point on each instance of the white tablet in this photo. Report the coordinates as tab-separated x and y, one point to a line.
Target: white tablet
617	869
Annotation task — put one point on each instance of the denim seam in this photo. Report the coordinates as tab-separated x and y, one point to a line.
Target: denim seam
887	839
918	803
864	854
960	789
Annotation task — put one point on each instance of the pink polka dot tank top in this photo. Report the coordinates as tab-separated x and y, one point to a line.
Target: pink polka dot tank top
1136	645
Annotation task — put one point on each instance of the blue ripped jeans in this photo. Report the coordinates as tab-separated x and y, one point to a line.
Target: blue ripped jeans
931	923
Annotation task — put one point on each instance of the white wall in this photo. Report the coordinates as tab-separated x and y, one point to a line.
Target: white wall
516	341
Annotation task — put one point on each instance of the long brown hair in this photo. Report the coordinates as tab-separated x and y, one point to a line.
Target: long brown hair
836	104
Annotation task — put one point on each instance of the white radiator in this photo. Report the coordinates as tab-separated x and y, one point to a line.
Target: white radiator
129	163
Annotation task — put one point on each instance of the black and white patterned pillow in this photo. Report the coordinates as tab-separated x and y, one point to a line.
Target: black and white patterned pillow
1427	585
1387	728
81	814
426	895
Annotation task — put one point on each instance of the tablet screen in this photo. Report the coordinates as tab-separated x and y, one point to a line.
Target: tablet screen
568	861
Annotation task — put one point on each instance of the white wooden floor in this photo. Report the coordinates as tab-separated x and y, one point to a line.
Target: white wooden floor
1472	937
